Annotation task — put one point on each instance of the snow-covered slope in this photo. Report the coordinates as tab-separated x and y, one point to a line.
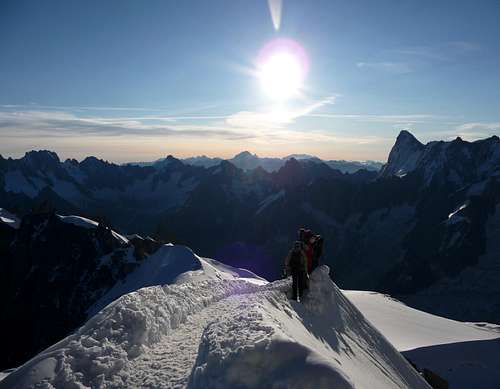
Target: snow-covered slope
9	219
4	374
407	328
211	329
173	264
465	354
81	221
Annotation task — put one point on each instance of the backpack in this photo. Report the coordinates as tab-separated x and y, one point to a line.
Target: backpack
318	246
296	260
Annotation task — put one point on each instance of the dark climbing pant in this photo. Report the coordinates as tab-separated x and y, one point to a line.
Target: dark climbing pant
299	283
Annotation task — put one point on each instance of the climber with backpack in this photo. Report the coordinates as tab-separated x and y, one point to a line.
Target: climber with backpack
312	246
296	266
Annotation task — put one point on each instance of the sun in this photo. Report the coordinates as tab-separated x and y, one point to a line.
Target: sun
281	76
281	69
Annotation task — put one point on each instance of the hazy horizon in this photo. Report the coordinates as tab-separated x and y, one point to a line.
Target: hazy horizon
63	156
131	81
79	156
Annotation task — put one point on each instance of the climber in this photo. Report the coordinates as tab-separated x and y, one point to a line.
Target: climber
296	266
312	246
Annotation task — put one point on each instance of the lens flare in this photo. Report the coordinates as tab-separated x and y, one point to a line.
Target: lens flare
281	68
275	7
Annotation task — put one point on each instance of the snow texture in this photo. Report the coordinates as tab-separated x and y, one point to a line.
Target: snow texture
172	264
407	328
211	332
467	355
4	374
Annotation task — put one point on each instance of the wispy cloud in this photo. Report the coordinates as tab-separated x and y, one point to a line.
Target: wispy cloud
409	59
440	52
387	66
492	126
278	117
394	119
470	131
238	126
260	129
53	123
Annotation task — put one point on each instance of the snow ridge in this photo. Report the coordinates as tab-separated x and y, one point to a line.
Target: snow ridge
223	333
96	354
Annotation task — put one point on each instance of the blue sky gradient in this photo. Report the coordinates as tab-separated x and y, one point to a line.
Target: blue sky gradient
129	79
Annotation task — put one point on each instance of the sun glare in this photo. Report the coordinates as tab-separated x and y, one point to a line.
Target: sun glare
280	76
281	69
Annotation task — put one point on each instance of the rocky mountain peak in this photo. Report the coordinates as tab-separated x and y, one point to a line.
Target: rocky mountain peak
404	155
41	159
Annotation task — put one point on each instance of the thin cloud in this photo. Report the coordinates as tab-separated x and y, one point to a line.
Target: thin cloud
468	131
440	52
250	126
495	126
395	119
409	59
31	123
276	118
387	66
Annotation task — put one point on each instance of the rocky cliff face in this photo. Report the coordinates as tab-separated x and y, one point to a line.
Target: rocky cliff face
53	269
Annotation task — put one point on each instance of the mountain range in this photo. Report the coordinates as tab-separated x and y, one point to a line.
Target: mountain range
425	228
248	161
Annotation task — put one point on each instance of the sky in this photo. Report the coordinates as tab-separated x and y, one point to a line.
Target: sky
131	80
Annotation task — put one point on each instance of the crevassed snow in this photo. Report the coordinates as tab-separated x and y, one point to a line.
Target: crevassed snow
217	333
9	218
81	221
